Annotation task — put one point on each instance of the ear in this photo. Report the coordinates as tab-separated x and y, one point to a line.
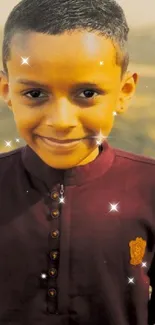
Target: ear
128	87
4	89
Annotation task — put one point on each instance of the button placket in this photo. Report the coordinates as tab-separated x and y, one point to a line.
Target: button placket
53	272
55	195
55	214
55	234
54	243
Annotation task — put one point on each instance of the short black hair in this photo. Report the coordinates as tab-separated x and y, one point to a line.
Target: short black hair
55	17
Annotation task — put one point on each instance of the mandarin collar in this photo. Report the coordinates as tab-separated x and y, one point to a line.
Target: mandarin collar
73	176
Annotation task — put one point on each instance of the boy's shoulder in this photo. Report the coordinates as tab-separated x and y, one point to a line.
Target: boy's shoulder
134	158
10	154
8	159
123	158
139	167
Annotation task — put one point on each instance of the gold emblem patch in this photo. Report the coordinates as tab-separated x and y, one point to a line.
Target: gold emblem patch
137	250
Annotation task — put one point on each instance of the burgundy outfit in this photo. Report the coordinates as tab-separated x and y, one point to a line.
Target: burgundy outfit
82	262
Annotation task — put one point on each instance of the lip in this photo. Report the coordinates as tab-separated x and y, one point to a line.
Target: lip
61	141
63	144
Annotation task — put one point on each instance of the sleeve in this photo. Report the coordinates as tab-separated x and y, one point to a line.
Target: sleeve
151	304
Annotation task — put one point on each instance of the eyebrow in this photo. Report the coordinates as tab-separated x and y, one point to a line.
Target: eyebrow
31	83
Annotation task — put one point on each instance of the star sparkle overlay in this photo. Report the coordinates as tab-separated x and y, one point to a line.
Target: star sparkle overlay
131	281
24	60
114	207
144	264
99	138
61	198
43	275
9	143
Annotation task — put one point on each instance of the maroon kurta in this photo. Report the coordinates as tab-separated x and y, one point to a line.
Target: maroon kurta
77	263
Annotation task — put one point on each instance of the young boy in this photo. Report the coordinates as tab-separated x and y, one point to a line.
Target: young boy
77	223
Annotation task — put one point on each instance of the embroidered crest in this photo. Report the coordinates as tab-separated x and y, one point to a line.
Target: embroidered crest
137	250
150	292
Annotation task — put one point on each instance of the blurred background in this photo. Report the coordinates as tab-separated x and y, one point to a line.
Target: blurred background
135	131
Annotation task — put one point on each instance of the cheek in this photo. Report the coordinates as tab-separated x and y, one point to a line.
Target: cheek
99	117
25	118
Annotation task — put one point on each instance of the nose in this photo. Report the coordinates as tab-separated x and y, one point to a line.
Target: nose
62	116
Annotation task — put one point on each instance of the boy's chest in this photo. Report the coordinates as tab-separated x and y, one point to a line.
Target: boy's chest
86	248
93	230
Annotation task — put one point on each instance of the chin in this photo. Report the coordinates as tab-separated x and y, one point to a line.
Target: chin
60	165
60	162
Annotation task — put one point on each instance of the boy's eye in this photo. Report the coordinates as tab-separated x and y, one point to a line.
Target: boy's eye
36	93
88	93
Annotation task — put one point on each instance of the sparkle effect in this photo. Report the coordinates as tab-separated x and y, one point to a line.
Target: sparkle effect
100	138
131	281
8	144
113	207
25	61
62	200
144	264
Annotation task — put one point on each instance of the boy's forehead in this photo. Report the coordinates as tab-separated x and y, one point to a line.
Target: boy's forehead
79	45
76	51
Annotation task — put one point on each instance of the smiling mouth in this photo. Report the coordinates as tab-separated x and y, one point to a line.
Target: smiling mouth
62	141
60	144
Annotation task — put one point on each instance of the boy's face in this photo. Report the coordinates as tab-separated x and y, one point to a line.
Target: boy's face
69	90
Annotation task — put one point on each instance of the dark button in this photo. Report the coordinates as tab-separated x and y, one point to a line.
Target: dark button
52	293
54	255
53	272
54	195
55	234
55	214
